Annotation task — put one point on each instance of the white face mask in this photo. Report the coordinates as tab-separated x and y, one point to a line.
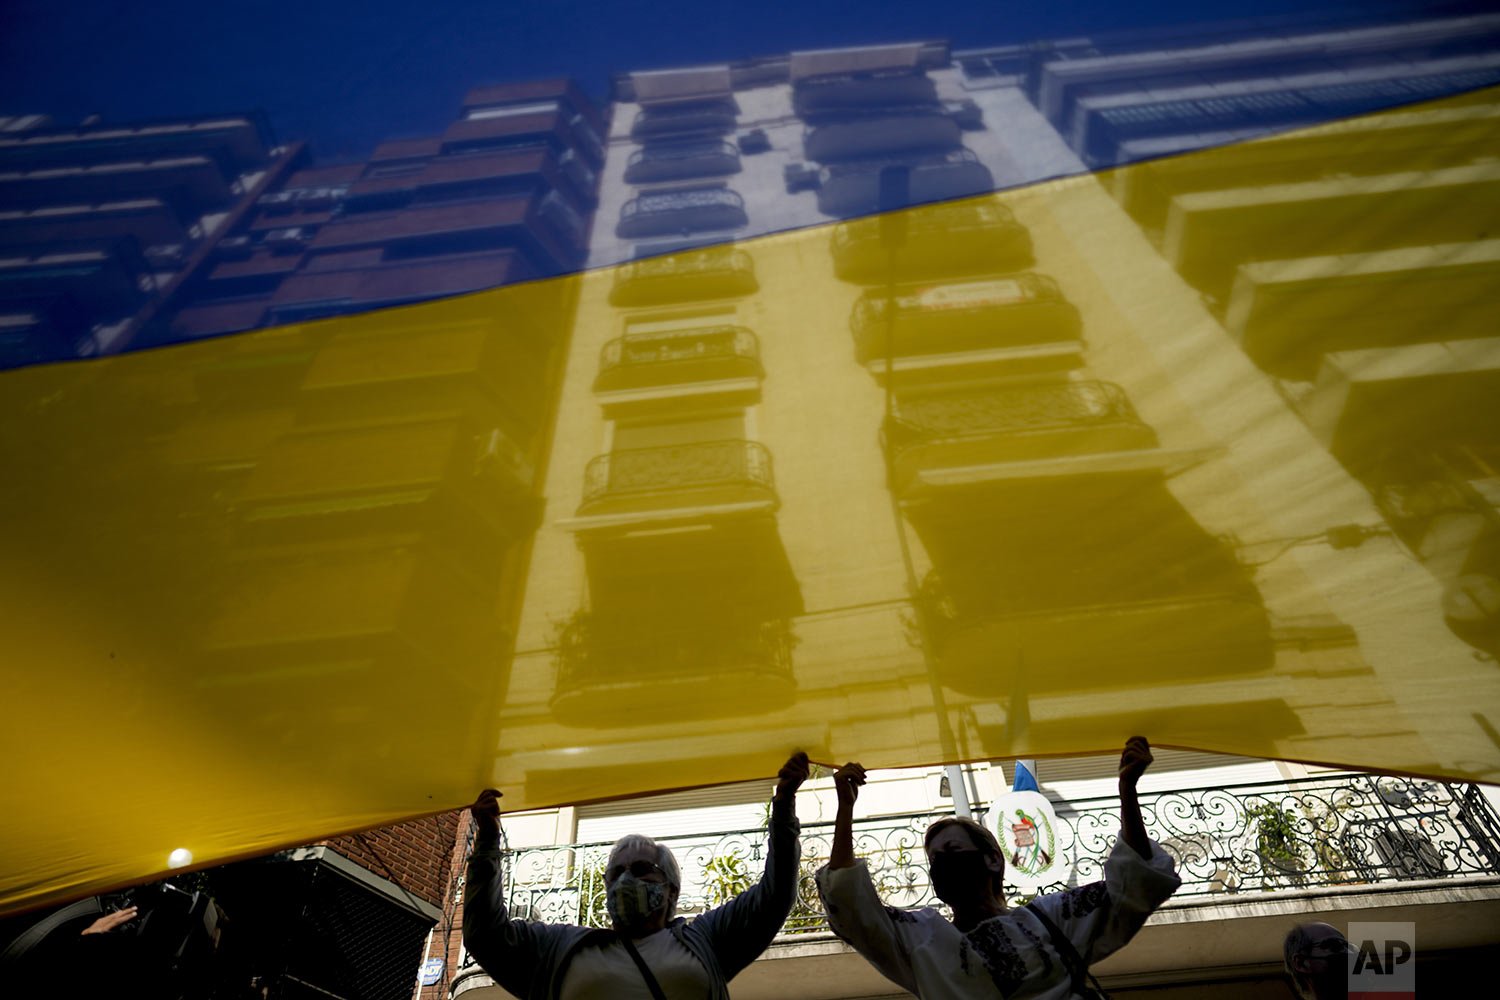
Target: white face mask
632	902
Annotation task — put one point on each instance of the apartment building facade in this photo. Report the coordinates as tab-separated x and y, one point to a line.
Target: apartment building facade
104	224
504	194
708	545
1356	321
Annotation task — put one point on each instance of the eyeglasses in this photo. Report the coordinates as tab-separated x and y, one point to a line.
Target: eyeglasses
1328	948
640	869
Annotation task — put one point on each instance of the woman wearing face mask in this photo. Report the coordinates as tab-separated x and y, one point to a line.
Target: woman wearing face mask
988	950
650	953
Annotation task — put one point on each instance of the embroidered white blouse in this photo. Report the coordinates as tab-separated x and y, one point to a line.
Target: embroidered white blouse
1010	955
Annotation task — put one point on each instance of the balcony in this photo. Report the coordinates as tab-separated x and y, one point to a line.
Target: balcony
610	670
110	279
676	161
395	283
150	221
1023	310
242	141
1209	234
698	117
1019	424
853	188
193	183
371	614
480	172
1288	313
914	130
1043	628
1369	404
821	96
686	276
392	480
708	353
728	475
668	213
944	240
440	221
455	228
472	135
1228	843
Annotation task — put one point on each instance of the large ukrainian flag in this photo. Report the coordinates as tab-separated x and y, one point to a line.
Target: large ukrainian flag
1047	396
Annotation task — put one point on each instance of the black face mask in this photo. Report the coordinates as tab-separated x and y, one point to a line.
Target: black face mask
959	875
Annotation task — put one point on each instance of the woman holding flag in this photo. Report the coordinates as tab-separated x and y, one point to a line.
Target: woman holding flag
1041	950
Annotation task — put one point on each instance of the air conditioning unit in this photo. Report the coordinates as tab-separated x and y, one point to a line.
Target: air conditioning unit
754	141
800	177
966	114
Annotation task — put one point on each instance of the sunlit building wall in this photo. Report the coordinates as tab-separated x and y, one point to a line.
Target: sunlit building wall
1347	270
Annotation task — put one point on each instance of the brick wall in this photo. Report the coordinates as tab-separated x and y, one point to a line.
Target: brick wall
417	855
447	936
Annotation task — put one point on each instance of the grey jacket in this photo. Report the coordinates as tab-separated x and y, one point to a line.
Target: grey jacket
530	958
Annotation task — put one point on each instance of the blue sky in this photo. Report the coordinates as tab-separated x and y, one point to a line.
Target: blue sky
345	74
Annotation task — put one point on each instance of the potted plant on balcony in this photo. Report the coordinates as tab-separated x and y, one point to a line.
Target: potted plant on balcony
1276	839
725	877
807	915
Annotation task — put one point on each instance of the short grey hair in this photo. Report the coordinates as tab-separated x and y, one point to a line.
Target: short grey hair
665	859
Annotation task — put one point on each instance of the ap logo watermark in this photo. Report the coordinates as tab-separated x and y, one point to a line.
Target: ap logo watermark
1382	961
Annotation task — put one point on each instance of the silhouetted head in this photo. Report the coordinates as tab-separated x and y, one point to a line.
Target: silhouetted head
1316	957
964	860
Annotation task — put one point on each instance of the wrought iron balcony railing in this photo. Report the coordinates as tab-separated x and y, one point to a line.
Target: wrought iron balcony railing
687	275
636	653
933	220
659	213
1016	310
697	116
671	201
681	159
1231	843
942	240
677	355
679	467
1015	410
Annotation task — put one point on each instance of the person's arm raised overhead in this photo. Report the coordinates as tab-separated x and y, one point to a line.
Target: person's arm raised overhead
1102	917
506	949
846	783
1134	760
740	929
855	910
